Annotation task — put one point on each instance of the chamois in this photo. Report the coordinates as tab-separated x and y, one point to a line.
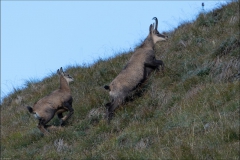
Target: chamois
57	102
136	71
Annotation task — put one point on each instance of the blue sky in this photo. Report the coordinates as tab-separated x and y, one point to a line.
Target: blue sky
39	37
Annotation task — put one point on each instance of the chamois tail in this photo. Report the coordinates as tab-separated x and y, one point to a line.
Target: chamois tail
107	87
35	114
30	109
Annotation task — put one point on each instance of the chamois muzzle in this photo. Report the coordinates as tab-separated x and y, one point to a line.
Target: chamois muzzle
162	36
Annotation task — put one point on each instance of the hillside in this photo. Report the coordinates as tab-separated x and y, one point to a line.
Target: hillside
190	112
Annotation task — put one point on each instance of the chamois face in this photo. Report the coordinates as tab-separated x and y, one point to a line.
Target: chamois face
66	76
156	36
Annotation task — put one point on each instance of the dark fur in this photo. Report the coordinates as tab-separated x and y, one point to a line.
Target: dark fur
107	87
30	109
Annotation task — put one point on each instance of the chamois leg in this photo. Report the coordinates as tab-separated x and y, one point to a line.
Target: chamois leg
44	120
110	111
107	105
60	116
160	62
66	117
113	106
41	126
60	113
154	64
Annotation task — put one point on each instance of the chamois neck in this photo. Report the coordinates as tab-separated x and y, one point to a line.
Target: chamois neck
64	84
148	43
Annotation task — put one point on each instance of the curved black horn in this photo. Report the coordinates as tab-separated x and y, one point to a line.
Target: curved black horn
156	26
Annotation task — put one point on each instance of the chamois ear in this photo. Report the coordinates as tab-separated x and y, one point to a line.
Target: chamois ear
58	72
150	28
61	70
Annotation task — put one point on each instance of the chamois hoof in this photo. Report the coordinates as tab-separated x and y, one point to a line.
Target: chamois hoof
55	128
108	105
110	116
62	122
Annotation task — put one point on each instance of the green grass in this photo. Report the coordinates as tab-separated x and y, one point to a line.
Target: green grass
190	112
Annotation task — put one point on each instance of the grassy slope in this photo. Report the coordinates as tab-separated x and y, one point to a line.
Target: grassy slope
191	112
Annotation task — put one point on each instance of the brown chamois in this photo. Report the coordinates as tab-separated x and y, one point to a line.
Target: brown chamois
136	71
57	102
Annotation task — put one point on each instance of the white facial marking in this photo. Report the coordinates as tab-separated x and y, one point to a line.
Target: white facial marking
157	39
36	115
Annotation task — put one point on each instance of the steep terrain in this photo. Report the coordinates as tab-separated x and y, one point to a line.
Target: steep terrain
190	112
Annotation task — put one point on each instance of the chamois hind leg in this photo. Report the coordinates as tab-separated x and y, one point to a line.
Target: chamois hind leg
44	120
107	106
41	126
113	106
68	105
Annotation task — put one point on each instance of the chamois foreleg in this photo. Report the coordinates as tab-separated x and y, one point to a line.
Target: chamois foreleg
154	64
60	112
68	105
60	115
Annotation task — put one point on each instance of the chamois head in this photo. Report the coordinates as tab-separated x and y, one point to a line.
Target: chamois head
66	76
156	36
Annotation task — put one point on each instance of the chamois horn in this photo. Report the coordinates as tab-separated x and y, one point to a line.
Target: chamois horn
156	26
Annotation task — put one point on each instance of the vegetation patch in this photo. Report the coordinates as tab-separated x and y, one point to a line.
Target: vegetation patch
189	112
